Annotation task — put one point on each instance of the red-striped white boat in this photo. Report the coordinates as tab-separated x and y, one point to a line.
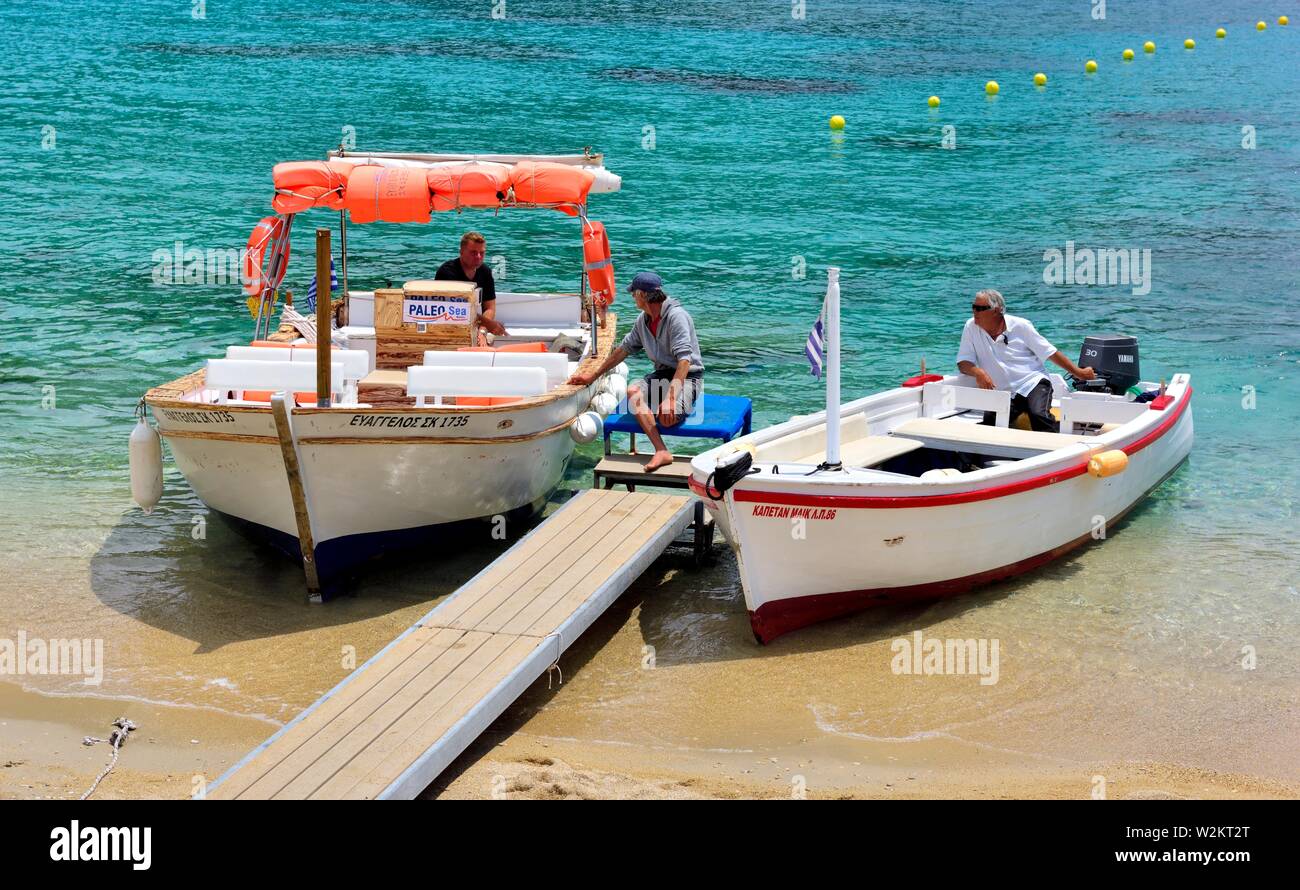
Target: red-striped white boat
927	502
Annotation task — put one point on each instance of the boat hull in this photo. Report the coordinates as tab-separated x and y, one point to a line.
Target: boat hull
807	554
374	481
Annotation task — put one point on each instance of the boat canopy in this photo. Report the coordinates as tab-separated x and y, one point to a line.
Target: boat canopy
389	187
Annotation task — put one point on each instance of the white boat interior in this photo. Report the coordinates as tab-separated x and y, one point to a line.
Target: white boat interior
937	432
546	329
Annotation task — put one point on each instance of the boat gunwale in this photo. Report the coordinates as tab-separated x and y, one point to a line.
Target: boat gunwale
765	490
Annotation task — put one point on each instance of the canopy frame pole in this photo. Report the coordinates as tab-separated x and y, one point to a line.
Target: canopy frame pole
343	265
323	318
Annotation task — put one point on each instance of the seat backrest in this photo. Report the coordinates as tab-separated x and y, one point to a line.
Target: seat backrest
555	364
434	357
225	375
1075	410
944	399
468	380
259	353
356	362
538	310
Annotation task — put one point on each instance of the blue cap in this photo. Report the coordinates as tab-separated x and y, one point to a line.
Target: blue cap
646	281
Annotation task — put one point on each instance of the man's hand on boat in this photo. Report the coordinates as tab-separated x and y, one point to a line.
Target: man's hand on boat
489	325
580	379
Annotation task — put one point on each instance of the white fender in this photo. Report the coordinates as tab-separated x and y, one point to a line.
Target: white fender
586	427
618	387
146	466
621	369
604	404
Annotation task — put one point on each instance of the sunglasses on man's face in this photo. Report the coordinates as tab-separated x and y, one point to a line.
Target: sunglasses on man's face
978	308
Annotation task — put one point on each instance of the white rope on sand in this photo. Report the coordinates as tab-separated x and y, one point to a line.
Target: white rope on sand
117	737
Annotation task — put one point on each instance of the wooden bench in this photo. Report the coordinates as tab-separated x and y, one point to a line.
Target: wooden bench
866	451
974	438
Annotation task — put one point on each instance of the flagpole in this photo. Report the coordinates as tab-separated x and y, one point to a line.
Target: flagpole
833	368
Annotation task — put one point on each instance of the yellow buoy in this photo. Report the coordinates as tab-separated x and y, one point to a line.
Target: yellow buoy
1220	33
1148	47
1260	26
933	101
1107	463
1283	20
837	122
1189	43
1040	79
1128	55
1090	66
991	88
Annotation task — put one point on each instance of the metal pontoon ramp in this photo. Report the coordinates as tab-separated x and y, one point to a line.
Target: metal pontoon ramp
397	721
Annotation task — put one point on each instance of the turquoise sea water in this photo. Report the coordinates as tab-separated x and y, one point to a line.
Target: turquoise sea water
164	129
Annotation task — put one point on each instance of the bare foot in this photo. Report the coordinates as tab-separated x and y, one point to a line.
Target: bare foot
660	459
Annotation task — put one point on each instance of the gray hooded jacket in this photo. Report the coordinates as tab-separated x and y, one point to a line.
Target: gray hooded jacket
675	340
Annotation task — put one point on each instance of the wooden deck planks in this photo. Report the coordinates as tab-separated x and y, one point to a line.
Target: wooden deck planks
402	717
606	554
322	714
602	536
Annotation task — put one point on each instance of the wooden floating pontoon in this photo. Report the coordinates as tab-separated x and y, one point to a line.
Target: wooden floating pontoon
396	722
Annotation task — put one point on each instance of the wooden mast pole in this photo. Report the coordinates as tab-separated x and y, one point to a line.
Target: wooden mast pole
322	318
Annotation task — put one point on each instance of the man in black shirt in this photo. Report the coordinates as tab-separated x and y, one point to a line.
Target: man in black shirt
469	267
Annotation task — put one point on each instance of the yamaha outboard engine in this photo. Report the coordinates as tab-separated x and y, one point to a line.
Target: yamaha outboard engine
1115	359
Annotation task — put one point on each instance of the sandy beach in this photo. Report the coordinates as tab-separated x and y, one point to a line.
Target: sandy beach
42	757
667	696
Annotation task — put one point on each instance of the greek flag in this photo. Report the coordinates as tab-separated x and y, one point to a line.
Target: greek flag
816	345
310	301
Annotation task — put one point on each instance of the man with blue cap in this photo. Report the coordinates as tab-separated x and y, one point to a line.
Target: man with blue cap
666	332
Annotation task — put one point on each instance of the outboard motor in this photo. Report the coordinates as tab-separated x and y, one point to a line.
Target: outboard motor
1115	359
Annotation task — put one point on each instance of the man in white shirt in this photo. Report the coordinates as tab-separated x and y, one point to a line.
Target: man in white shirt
1006	352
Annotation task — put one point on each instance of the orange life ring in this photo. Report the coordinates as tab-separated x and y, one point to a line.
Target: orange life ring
597	263
270	239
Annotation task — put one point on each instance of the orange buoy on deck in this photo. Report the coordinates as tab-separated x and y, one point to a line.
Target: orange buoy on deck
545	182
300	185
468	185
387	194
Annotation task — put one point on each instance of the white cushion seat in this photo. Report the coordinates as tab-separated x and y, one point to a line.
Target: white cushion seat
439	382
238	375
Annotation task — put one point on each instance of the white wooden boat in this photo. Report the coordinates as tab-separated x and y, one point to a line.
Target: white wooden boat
927	502
414	433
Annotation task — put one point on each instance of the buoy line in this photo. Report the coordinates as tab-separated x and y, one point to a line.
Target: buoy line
1040	79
